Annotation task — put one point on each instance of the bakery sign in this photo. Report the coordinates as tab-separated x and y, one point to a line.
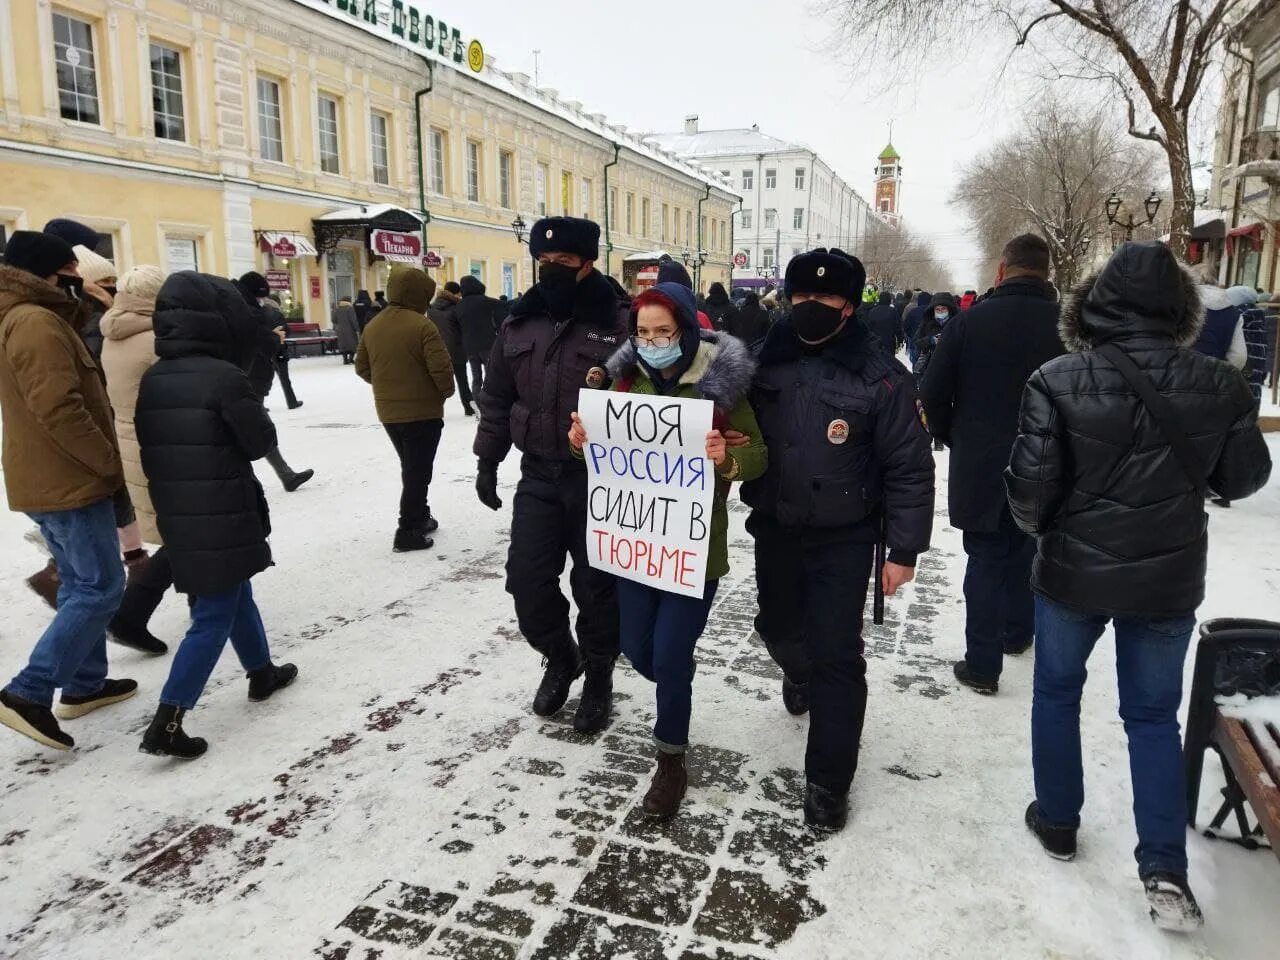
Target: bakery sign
409	25
397	247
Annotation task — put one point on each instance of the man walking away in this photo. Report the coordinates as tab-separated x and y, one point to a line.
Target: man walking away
61	467
475	313
274	317
971	393
751	321
404	357
444	315
719	309
885	323
911	324
557	340
1117	442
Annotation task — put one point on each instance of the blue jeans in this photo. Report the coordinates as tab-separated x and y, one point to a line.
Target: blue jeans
999	608
213	619
659	631
1149	661
72	652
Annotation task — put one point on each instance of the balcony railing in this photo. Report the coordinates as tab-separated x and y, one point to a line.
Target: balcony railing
1259	156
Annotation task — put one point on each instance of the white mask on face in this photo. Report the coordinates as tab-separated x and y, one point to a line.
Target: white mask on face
940	313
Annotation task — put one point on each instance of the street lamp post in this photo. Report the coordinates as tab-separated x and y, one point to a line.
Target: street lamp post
518	228
695	260
1151	206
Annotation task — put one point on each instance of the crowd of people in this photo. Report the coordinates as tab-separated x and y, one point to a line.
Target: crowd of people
1086	432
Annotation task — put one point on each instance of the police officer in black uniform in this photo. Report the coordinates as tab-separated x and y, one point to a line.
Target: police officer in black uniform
849	463
556	341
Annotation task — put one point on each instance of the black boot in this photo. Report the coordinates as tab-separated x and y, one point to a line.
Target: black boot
265	681
294	481
432	523
129	626
1058	842
795	697
670	782
983	685
825	809
409	539
165	736
597	698
564	666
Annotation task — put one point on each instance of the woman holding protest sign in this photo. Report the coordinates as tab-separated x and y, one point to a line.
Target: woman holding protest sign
667	355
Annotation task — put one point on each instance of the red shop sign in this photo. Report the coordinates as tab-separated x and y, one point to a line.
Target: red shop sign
315	288
284	248
403	247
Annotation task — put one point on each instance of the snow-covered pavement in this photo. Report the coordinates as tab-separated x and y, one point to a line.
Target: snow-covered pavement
401	800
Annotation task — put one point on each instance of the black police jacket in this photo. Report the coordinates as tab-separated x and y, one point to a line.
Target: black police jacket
1122	528
538	365
845	441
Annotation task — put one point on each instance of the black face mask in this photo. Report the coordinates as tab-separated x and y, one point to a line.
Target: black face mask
71	286
815	322
558	284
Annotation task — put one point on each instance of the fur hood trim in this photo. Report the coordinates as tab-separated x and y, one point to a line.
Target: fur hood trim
721	370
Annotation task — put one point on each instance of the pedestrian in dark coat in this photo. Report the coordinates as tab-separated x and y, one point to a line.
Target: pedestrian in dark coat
1123	537
475	316
200	425
342	317
751	321
885	323
557	341
365	310
911	324
274	318
443	313
942	307
848	464
719	308
971	394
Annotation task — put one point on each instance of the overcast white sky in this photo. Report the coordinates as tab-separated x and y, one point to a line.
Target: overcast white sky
751	61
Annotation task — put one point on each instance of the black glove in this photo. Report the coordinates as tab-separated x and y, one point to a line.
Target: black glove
487	485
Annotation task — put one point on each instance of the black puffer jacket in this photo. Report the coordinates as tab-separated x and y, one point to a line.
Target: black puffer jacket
199	425
476	315
1122	529
719	309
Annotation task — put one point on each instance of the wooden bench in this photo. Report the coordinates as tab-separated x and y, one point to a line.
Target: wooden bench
1237	657
298	335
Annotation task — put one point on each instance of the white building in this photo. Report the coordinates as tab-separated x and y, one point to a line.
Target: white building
792	199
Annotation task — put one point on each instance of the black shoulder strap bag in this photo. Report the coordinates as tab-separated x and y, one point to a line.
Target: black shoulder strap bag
1162	412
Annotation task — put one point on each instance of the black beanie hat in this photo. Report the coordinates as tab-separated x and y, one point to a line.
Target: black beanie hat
254	284
826	271
76	234
453	287
565	235
42	254
669	271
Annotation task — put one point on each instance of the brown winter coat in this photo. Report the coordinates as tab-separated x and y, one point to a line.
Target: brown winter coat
403	355
128	351
59	450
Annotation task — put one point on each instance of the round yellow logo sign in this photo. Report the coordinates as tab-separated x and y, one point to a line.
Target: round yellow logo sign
475	56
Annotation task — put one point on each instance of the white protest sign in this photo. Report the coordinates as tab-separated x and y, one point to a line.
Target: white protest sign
650	488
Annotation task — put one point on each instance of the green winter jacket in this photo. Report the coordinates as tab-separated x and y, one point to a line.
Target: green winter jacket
721	372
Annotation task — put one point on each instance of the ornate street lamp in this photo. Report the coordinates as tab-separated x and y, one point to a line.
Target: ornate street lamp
1113	207
518	228
1151	205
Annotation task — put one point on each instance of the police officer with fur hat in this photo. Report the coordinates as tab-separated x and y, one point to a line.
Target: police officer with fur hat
556	341
849	466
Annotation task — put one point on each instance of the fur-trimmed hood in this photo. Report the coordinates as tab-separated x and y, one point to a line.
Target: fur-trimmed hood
1143	291
20	287
721	370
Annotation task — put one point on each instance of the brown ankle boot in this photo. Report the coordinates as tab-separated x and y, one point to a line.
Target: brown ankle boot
670	781
46	583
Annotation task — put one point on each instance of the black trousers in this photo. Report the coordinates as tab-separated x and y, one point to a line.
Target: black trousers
282	371
477	374
464	388
548	522
415	444
812	591
146	589
999	607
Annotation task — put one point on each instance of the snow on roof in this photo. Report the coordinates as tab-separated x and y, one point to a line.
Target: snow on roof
716	143
368	211
651	255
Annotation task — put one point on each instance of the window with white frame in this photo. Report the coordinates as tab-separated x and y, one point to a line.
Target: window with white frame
666	216
613	205
473	171
799	178
748	179
770	179
646	223
540	176
380	139
76	69
688	227
797	218
746	219
181	253
437	152
584	196
506	163
270	125
770	219
169	118
766	258
1269	102
631	214
675	227
327	125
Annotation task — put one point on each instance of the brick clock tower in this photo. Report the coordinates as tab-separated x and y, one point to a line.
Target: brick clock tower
889	185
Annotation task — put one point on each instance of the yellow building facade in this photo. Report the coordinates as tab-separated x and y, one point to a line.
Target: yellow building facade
283	136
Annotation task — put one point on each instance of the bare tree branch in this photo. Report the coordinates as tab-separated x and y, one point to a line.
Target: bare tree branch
1022	36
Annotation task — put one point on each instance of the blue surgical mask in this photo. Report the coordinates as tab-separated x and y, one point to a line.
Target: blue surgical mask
659	358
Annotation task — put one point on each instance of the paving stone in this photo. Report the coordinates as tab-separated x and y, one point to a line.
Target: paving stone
412	899
496	918
610	780
465	945
625	763
694	831
584	936
384	926
743	907
785	787
714	952
505	885
328	950
781	839
716	767
646	884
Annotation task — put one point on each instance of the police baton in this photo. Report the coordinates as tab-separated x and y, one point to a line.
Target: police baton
877	615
